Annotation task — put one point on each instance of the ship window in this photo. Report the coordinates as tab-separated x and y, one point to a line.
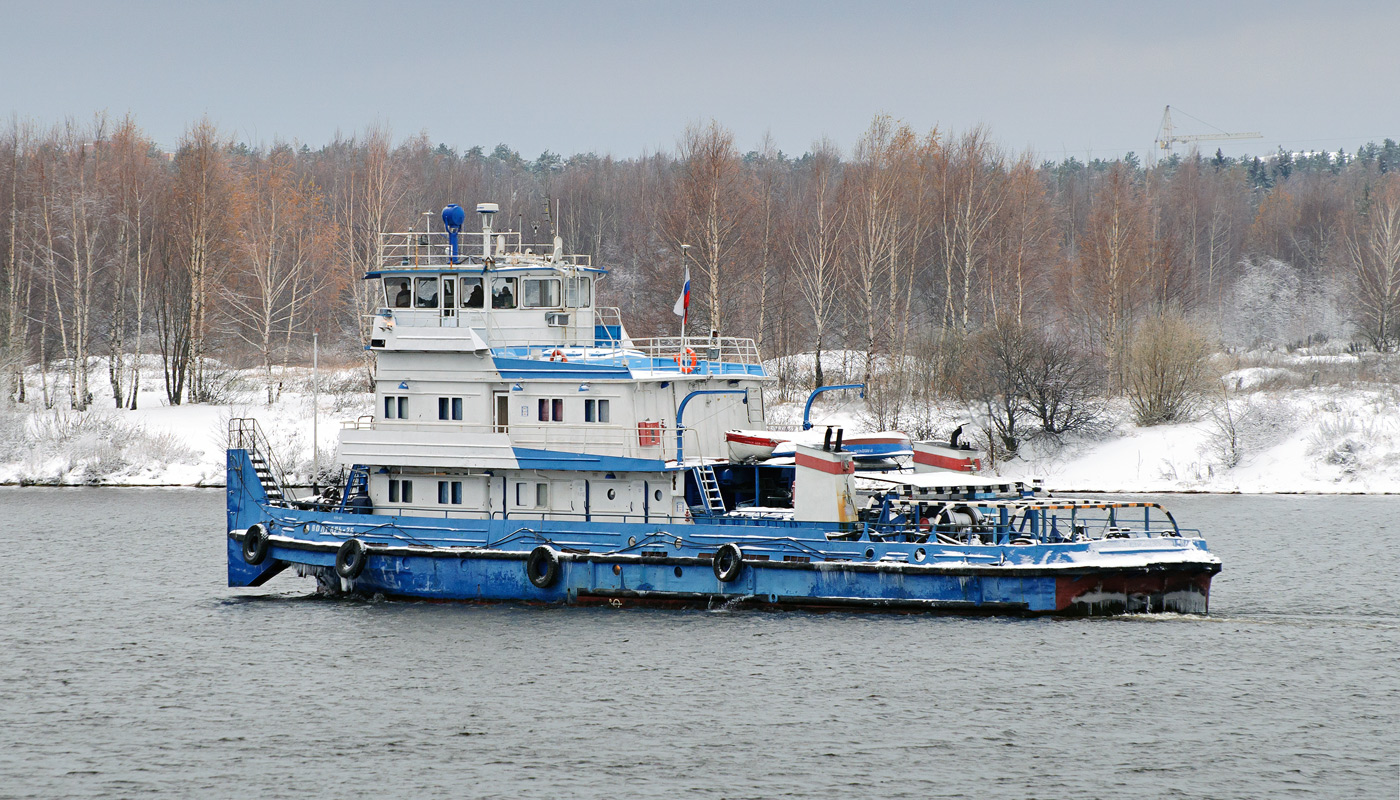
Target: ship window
542	495
456	493
503	293
407	491
520	493
604	412
397	293
427	293
444	407
544	410
393	490
588	410
539	293
442	492
558	410
449	296
457	408
597	411
395	407
577	294
551	409
472	295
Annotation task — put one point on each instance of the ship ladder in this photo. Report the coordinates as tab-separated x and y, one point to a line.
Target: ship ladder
356	486
265	476
709	489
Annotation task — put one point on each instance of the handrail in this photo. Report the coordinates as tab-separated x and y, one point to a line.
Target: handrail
244	434
400	249
680	412
807	411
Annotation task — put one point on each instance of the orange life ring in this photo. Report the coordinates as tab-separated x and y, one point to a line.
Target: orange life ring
558	355
679	358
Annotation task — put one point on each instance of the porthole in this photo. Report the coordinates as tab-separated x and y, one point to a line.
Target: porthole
920	555
631	541
678	572
657	494
612	494
869	552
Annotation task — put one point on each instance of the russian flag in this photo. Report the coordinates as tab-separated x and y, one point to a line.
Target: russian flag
682	306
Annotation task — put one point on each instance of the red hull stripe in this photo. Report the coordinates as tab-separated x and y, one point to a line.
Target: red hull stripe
762	441
944	462
822	465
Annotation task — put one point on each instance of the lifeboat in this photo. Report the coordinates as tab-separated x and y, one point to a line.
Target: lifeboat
752	445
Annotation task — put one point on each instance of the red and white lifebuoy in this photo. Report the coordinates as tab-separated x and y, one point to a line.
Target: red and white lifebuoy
682	357
558	355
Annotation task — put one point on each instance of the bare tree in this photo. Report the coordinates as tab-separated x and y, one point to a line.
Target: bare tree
817	243
1373	244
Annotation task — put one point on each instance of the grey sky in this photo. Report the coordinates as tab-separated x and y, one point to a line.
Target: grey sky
626	77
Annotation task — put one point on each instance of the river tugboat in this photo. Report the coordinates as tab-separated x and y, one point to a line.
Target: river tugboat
526	448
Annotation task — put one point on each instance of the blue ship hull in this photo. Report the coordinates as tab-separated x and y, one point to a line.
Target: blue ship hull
783	564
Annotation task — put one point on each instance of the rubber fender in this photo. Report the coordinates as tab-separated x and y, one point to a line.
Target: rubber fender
728	562
542	567
255	544
350	559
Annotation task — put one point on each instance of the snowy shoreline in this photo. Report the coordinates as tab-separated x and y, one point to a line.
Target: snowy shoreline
1288	436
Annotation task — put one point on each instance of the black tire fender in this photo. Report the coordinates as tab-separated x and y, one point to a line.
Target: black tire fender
542	567
350	559
255	544
728	562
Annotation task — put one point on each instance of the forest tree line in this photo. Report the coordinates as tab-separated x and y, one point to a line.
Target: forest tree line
939	257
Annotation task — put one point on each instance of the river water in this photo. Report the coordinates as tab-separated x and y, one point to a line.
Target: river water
128	668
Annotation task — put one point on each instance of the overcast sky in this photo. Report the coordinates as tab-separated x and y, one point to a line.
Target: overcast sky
1080	78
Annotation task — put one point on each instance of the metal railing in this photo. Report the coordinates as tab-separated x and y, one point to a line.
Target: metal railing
640	440
244	434
430	249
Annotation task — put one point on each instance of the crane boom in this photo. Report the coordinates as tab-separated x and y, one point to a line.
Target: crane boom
1167	136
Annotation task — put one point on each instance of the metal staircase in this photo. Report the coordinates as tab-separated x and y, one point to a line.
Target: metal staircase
709	489
244	434
356	494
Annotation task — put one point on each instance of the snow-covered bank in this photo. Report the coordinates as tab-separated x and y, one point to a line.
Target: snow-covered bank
1280	435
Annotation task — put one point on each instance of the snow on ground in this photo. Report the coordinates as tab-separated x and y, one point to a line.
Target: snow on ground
159	444
1281	434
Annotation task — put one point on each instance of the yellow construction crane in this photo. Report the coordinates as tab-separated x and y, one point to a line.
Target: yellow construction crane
1167	137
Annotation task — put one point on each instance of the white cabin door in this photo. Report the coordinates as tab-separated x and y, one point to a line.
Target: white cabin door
501	405
449	301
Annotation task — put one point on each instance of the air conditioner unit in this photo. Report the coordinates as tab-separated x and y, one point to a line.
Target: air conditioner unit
556	319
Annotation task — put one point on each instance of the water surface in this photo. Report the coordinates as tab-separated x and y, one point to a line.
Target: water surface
127	667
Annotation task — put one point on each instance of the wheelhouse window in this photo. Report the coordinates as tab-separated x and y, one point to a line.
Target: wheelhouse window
397	293
472	294
578	293
503	293
539	292
426	293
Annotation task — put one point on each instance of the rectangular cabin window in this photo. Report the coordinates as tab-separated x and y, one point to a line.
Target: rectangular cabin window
456	493
396	293
389	407
457	409
472	295
426	293
393	490
444	407
544	410
407	491
403	408
539	293
520	494
503	292
449	295
395	407
558	409
442	493
604	412
588	410
578	293
541	495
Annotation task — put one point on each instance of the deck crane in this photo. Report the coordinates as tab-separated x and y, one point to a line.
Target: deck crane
1167	137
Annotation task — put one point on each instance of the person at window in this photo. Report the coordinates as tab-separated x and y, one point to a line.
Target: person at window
404	298
503	297
474	298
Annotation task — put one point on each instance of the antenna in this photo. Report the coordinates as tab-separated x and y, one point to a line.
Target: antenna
1167	138
486	210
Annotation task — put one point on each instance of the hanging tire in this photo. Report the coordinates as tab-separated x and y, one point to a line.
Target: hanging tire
542	567
728	562
350	559
255	544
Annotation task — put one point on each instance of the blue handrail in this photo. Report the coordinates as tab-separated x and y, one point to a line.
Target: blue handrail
807	412
680	410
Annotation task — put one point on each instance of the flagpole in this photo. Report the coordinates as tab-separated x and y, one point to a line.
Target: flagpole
685	253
